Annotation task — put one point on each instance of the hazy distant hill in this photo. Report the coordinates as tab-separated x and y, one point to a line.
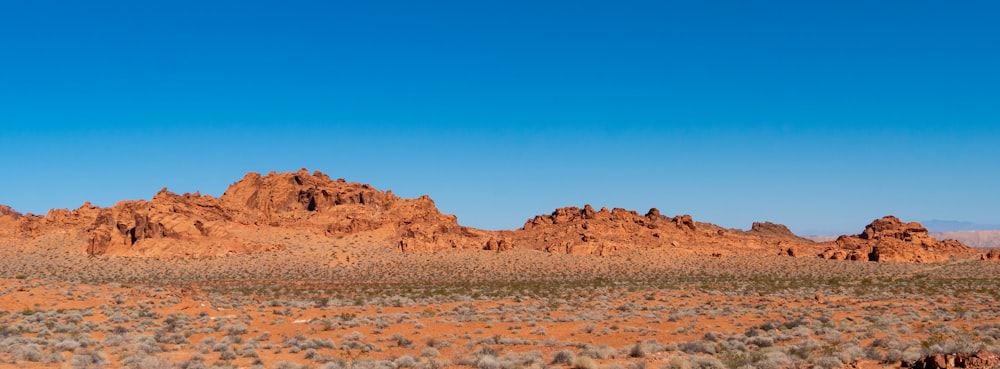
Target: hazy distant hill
822	238
978	238
986	239
937	225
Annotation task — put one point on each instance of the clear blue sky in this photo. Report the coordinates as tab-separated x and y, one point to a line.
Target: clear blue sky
821	116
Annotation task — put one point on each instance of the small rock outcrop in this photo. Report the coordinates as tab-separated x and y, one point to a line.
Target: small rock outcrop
6	211
8	220
993	254
889	239
572	230
978	360
774	230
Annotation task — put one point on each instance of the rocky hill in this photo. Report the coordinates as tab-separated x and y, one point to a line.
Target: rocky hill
890	239
586	231
255	214
266	213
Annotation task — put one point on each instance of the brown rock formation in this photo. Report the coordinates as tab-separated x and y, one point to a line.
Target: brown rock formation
889	239
993	254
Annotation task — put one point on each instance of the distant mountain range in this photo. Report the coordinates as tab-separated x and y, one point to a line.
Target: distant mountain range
936	225
969	233
980	239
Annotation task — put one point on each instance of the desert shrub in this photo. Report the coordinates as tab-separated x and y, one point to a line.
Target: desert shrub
522	360
88	359
601	352
437	342
697	347
636	365
850	353
334	364
235	329
564	357
487	362
712	336
28	352
906	354
247	352
67	345
761	341
706	362
119	318
406	361
227	354
115	340
402	341
637	351
175	338
826	362
287	365
805	348
207	344
430	353
584	362
677	362
53	358
485	351
321	343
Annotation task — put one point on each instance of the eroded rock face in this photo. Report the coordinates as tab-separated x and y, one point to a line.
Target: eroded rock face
256	214
889	239
6	211
586	231
774	230
260	213
993	254
8	220
979	360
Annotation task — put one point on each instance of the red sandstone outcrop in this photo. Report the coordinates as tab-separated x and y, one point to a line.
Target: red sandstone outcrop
979	360
260	213
889	239
6	211
774	230
8	220
585	231
993	254
253	215
337	208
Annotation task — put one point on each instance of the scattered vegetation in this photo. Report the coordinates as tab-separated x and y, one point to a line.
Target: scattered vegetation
488	311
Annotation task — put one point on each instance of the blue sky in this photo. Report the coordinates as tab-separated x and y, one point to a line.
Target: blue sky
821	116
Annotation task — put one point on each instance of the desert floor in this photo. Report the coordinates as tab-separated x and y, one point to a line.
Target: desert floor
486	310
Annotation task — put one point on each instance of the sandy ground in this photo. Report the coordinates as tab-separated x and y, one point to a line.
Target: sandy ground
849	318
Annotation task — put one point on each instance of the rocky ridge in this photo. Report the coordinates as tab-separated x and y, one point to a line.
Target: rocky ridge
261	213
586	231
253	215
